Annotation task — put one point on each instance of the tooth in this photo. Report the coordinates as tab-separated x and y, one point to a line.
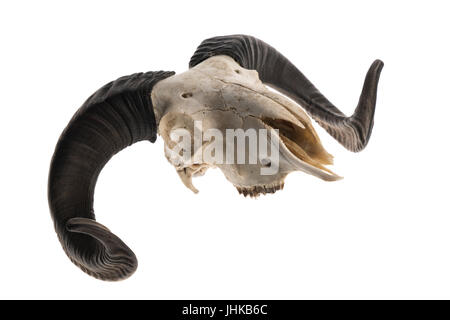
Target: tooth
186	177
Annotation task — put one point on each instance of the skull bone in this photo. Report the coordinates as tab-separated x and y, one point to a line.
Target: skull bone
219	114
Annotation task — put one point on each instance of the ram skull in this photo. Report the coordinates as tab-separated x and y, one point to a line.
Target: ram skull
224	89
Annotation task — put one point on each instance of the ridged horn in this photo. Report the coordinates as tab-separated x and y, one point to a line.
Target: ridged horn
116	116
278	72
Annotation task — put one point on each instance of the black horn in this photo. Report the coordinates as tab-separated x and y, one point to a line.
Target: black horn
278	72
116	116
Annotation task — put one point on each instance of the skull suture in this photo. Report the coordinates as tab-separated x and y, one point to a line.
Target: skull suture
225	89
221	95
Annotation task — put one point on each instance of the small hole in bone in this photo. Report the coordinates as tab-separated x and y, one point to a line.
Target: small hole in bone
266	162
186	95
237	71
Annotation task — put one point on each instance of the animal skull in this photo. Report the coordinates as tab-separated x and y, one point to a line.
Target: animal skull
224	89
221	95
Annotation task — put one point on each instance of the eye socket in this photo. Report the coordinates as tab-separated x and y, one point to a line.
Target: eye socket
186	95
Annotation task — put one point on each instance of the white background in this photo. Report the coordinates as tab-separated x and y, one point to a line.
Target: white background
382	232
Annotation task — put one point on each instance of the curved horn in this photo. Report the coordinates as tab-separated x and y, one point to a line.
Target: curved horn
278	72
114	117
